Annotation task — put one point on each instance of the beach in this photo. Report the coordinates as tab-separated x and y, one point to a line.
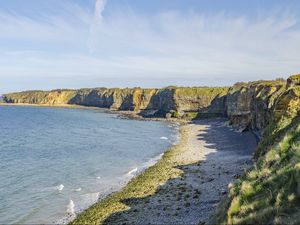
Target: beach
73	157
186	184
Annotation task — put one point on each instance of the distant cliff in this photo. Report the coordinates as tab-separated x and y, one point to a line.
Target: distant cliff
170	101
250	105
247	105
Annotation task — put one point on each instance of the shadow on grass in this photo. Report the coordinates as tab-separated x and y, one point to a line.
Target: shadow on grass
191	197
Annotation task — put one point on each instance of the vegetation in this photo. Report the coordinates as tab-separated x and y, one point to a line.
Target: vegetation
201	91
269	193
141	186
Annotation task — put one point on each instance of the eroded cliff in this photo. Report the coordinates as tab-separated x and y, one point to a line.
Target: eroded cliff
269	193
170	101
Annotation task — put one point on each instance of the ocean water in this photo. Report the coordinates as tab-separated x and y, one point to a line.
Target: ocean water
56	162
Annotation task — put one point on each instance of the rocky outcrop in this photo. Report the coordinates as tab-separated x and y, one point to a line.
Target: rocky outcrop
203	100
250	105
54	97
293	80
175	101
269	192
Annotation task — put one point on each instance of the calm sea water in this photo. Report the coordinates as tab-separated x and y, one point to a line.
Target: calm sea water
56	162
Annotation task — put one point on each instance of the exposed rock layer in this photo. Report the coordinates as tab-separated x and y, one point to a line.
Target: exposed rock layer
247	105
151	102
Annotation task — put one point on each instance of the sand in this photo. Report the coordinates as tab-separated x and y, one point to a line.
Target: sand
212	156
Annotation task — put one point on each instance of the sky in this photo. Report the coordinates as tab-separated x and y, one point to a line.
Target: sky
129	43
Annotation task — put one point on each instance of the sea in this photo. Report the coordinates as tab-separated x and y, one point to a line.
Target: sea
56	162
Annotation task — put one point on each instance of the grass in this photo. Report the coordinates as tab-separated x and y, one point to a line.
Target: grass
141	186
270	191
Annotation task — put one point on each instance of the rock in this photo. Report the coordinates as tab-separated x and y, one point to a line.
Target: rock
166	102
187	204
293	80
249	105
236	176
223	191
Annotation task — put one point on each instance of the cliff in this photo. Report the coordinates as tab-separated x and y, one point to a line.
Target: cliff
268	193
170	101
250	105
54	97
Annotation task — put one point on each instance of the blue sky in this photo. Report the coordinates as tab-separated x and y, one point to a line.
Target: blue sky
119	43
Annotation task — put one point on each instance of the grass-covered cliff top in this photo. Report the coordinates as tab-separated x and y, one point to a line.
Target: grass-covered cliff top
205	91
260	83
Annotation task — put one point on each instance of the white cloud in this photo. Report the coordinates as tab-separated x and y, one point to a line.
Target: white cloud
96	23
172	45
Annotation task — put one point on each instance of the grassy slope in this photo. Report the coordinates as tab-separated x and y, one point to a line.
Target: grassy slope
269	193
143	185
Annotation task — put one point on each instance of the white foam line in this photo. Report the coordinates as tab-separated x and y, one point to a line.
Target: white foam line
164	138
131	172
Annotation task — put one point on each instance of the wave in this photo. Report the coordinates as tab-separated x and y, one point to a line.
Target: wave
78	189
86	200
71	207
50	189
133	172
164	138
145	165
82	203
59	187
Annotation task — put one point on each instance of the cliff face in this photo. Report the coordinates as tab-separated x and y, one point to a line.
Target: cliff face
250	105
269	193
40	97
149	102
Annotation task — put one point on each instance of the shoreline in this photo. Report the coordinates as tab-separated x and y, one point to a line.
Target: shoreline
111	203
131	115
185	185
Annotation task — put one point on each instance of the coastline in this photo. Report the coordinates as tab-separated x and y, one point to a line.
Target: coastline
53	106
131	115
142	185
185	185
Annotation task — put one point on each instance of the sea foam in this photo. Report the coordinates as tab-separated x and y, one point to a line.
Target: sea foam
78	189
164	138
71	207
60	187
132	172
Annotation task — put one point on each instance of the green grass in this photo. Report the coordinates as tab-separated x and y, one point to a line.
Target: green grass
141	186
270	191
